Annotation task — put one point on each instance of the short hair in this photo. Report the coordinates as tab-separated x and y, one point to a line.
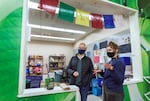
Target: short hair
82	43
113	45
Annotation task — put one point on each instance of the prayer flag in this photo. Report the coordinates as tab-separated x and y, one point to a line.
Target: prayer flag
49	6
66	12
109	21
97	21
82	17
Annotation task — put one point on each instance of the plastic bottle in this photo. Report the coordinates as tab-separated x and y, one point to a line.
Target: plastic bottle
50	84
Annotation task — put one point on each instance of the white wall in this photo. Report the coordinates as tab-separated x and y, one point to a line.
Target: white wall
49	48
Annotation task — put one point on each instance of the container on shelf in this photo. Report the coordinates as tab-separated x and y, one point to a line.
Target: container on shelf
58	75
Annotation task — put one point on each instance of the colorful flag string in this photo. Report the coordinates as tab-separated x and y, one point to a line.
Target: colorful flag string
77	16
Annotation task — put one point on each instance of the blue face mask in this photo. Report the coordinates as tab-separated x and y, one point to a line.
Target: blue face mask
80	51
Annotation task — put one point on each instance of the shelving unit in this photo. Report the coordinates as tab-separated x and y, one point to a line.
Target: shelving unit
56	62
34	71
35	65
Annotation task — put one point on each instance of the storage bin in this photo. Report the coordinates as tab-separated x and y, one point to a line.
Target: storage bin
35	84
34	78
97	91
96	82
35	81
58	76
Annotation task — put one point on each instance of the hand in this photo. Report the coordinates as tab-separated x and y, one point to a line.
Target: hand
75	74
96	71
108	66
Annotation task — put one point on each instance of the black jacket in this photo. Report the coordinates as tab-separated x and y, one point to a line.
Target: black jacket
87	67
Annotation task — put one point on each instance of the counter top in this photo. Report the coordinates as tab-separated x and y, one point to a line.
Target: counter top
44	91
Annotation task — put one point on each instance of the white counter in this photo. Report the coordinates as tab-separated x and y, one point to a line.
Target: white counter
43	91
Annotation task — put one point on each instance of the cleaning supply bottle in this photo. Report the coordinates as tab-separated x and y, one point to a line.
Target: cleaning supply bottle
51	83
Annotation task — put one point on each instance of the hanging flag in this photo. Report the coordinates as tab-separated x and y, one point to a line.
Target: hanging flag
66	12
82	17
49	6
97	21
109	21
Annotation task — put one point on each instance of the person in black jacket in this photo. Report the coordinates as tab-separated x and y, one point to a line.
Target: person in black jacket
80	70
113	76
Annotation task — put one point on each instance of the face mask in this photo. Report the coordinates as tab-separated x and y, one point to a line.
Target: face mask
110	54
81	51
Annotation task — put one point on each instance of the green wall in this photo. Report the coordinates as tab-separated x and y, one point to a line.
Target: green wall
144	21
128	3
145	33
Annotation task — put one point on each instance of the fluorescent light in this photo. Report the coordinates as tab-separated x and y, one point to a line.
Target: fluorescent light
56	29
52	37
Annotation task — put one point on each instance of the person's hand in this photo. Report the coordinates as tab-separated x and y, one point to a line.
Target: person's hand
96	71
108	66
75	74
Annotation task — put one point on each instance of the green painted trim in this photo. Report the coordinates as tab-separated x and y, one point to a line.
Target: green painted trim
126	93
129	3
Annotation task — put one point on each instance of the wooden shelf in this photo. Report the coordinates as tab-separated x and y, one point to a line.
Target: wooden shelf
35	65
56	62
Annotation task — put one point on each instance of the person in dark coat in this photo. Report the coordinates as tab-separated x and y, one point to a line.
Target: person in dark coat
80	70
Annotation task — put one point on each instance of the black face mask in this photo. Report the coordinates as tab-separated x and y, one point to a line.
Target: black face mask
110	54
80	51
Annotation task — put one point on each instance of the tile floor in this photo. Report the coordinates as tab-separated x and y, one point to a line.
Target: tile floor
92	97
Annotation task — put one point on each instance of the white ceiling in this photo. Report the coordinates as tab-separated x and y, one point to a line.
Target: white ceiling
42	18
